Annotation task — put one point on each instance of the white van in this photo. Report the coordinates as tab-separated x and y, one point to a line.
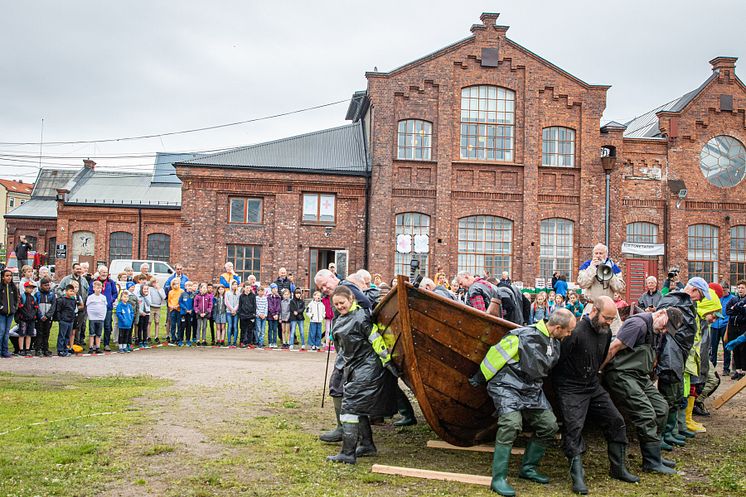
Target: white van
161	270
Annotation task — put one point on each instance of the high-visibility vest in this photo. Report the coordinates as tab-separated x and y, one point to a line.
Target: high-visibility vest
505	352
378	342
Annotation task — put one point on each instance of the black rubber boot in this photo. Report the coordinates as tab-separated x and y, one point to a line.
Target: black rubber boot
531	458
335	435
617	463
350	432
404	406
651	459
365	446
500	460
577	474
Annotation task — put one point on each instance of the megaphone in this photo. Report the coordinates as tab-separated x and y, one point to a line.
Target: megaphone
604	271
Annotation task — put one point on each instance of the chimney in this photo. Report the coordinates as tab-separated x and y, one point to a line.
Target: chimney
89	164
719	63
488	19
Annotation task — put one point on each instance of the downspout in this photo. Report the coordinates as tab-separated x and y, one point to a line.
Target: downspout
607	214
368	174
139	233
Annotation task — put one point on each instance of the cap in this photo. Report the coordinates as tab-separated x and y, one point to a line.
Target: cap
273	285
29	283
718	289
701	285
675	319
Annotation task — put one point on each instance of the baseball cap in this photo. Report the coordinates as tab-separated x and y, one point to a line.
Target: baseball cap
701	285
675	319
273	285
29	283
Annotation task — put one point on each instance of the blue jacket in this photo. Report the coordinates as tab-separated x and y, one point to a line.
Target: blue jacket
110	291
186	303
182	282
125	315
226	280
722	322
561	288
46	303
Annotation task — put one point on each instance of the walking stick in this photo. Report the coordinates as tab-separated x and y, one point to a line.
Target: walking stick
326	370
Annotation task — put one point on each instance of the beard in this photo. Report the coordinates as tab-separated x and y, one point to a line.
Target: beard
600	328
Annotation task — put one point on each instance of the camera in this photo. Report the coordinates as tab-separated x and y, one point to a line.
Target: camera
673	273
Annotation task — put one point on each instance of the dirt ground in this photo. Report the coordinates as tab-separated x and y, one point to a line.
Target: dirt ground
212	388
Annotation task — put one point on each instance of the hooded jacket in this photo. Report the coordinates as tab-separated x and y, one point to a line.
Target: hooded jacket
247	306
9	299
674	349
273	306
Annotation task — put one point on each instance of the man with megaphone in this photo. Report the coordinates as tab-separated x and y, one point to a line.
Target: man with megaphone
600	276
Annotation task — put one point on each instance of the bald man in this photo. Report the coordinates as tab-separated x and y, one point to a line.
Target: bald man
580	394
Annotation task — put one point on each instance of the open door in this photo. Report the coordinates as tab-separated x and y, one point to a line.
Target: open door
637	271
340	259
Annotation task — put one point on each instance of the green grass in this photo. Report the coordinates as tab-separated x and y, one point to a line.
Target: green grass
60	435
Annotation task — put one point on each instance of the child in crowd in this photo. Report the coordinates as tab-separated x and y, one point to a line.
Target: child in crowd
247	315
328	317
559	301
143	323
202	310
285	318
573	305
210	318
251	281
261	316
27	274
125	316
273	315
619	302
550	301
316	313
219	311
186	308
297	319
96	304
231	304
26	317
174	312
157	299
134	302
65	310
539	309
45	299
78	309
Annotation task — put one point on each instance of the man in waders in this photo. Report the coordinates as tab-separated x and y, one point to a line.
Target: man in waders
514	370
627	371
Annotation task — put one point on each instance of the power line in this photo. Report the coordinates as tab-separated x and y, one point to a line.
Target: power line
186	131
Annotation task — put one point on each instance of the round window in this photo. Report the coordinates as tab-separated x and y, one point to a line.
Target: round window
723	161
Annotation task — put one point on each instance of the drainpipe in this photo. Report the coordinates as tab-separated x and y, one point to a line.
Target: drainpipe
606	210
608	158
139	233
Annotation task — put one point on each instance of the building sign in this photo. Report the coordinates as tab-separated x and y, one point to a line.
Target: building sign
645	249
60	251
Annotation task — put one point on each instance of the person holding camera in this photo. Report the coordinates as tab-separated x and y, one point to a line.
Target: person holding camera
652	297
672	283
600	276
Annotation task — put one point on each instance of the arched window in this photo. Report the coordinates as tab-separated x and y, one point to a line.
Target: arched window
558	147
159	247
556	247
120	245
414	139
411	223
702	258
642	233
737	254
485	244
487	121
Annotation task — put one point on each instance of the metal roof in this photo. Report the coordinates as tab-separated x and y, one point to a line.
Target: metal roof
646	125
164	172
36	208
49	180
124	190
336	150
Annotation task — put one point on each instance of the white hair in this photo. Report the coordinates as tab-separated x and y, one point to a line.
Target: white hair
601	245
427	283
322	274
102	268
365	275
651	278
463	274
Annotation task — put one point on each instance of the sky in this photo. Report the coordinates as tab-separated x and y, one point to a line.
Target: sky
97	70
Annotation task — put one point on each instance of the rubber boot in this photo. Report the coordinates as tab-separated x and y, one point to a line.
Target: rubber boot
404	406
677	427
336	434
668	462
531	458
617	459
577	474
500	471
365	446
668	431
681	423
651	459
665	446
350	432
692	425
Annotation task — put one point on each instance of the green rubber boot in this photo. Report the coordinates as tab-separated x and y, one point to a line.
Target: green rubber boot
668	434
500	460
531	458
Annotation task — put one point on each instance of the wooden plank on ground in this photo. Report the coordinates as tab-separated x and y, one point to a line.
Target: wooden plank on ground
440	444
432	475
730	393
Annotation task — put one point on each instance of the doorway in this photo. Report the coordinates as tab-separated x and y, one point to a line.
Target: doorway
637	271
320	258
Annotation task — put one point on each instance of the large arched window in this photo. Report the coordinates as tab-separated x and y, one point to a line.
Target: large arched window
159	247
737	253
642	233
411	224
120	245
487	122
558	147
414	139
485	244
556	247
702	257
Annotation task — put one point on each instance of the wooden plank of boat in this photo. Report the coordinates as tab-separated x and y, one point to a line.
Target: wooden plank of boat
432	475
440	444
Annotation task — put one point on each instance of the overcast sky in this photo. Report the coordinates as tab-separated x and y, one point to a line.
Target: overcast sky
101	69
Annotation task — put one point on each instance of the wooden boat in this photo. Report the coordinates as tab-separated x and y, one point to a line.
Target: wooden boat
438	345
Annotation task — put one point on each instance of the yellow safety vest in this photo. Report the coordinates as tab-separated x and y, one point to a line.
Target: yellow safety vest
505	352
378	342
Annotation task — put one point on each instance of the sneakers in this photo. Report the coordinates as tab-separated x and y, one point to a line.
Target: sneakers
107	349
737	376
157	340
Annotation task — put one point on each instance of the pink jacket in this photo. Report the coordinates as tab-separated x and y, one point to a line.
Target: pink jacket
329	311
203	304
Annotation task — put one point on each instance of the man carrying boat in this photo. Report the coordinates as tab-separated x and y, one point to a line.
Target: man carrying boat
580	394
482	295
514	370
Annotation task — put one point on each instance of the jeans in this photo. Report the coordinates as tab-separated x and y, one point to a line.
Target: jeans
302	331
6	322
232	328
272	332
201	334
259	332
174	319
716	336
63	335
107	327
314	334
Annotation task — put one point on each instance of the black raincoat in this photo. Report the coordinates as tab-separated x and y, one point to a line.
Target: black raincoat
674	349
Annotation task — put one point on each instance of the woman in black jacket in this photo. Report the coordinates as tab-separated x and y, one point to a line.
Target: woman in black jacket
297	318
8	306
247	315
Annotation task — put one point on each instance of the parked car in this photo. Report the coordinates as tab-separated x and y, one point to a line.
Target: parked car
161	270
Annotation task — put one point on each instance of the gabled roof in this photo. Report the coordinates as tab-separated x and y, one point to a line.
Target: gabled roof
646	125
14	186
49	180
123	189
164	172
338	150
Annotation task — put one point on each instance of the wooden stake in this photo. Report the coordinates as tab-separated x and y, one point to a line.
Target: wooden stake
730	393
432	475
440	444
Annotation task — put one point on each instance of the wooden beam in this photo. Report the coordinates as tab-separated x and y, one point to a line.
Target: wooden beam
440	444
730	393
432	475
